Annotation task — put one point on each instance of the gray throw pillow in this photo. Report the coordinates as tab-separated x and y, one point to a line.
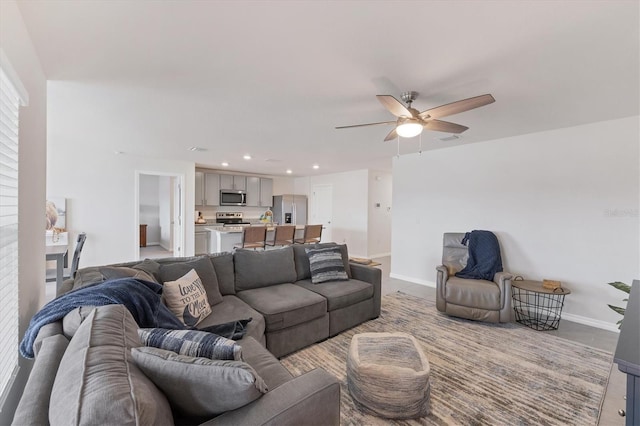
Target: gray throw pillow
326	265
191	343
204	269
302	260
200	387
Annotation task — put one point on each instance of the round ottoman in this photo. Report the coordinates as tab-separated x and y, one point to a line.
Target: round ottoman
388	374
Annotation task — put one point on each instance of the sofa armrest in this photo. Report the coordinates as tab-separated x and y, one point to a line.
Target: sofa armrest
45	331
503	280
442	275
373	276
310	399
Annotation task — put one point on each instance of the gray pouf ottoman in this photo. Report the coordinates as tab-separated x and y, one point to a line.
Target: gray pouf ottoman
388	374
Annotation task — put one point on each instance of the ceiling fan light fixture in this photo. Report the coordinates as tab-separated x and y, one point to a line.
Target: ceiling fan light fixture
409	129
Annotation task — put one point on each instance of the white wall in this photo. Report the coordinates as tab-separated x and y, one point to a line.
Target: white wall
165	202
350	200
379	223
564	204
149	201
100	186
17	46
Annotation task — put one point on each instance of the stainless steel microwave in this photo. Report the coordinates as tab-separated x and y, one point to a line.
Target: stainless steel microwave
233	198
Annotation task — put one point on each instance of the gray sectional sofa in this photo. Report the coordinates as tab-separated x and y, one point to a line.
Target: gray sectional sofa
272	287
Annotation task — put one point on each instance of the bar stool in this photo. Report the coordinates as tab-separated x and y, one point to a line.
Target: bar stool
283	235
253	237
312	235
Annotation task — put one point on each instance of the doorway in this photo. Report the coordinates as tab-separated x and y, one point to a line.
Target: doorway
159	212
322	211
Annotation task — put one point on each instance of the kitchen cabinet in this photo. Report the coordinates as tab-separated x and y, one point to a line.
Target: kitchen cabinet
207	189
266	192
236	182
253	191
201	241
259	192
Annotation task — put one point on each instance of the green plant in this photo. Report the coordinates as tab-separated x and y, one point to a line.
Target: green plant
622	287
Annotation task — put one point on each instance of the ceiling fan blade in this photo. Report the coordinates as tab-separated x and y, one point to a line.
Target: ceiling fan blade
457	107
444	126
394	106
391	136
368	124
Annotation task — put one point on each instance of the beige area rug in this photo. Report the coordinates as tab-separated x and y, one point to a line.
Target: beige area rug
481	374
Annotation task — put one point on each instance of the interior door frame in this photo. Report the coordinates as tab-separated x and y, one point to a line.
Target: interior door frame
180	178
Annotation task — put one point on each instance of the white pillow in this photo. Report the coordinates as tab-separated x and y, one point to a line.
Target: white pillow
187	298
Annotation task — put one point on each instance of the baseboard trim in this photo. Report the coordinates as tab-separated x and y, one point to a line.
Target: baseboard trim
413	280
569	317
591	322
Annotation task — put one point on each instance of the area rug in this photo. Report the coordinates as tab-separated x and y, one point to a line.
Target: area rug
481	373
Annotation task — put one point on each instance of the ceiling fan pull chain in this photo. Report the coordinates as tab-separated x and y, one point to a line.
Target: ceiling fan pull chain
420	149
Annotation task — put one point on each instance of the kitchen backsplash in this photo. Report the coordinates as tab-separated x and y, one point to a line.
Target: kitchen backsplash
248	212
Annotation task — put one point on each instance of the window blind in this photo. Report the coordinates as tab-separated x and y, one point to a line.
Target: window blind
9	111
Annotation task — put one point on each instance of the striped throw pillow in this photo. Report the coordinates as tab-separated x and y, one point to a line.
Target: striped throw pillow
192	343
326	264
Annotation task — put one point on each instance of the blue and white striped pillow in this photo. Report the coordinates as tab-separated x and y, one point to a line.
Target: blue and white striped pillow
326	264
192	343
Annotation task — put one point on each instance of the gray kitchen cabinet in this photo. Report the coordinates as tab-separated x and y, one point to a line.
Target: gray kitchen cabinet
211	189
266	192
207	191
253	191
236	182
199	196
201	241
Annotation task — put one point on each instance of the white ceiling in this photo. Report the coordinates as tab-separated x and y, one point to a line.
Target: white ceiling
273	78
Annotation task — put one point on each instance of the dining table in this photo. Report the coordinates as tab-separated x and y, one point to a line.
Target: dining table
59	254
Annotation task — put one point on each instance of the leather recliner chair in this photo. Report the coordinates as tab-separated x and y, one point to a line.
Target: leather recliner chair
479	300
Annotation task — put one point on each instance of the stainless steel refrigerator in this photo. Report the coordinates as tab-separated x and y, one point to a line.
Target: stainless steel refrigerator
290	209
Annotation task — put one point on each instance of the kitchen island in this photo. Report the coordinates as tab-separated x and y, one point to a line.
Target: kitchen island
223	239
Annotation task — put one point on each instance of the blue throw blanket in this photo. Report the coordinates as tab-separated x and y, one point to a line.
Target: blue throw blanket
141	298
484	256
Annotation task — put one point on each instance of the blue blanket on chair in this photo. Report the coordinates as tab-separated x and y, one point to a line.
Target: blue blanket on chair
141	298
484	256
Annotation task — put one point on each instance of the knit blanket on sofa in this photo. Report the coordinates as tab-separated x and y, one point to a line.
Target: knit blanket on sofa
141	298
484	256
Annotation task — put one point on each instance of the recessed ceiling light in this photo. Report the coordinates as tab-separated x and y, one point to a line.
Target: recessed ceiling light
225	164
247	157
197	149
315	166
118	152
289	171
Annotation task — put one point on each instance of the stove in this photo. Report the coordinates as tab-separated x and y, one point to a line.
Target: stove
230	219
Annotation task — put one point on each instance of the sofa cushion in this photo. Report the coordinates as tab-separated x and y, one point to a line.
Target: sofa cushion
191	343
479	294
186	298
98	382
255	269
204	269
285	305
303	270
98	274
200	387
266	365
234	309
326	264
71	322
223	264
340	294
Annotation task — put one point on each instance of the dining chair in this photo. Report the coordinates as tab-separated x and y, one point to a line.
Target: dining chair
312	235
283	235
253	237
70	272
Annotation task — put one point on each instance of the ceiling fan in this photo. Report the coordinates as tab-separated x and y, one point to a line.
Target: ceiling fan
411	122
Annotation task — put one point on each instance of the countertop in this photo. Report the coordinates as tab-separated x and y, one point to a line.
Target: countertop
238	229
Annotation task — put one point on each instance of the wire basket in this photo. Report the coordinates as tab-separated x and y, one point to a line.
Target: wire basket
537	310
